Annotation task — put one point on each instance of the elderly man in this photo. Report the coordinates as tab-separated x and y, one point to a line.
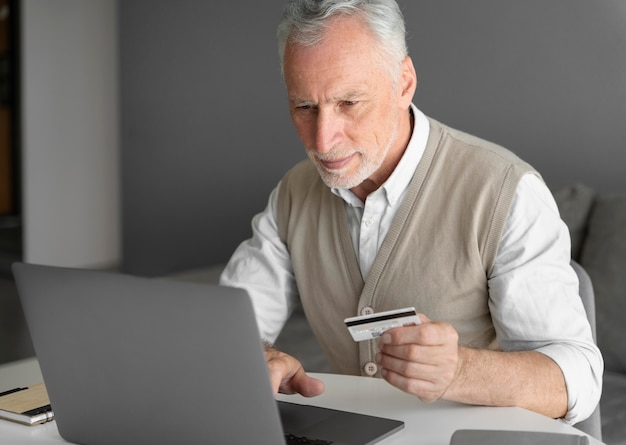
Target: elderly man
393	209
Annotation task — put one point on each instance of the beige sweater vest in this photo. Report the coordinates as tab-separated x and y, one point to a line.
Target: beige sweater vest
437	255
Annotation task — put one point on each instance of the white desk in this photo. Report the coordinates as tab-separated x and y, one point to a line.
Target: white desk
431	424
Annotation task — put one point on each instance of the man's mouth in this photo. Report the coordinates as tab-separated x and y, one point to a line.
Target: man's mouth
336	164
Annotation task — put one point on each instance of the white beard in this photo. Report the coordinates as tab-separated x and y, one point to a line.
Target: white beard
338	178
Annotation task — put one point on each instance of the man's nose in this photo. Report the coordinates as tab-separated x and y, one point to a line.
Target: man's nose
329	128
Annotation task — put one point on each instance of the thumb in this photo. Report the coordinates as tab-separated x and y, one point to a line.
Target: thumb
306	385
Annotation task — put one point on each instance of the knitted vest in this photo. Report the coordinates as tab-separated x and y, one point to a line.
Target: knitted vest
436	257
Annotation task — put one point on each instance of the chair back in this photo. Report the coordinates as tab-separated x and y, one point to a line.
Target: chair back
593	424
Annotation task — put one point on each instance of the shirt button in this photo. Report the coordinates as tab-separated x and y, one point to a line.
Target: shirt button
370	368
367	310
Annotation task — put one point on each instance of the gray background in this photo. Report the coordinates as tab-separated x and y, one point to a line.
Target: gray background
205	131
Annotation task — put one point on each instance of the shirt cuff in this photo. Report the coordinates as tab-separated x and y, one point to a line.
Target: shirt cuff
584	383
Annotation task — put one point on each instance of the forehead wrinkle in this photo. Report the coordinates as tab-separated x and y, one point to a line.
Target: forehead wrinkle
351	94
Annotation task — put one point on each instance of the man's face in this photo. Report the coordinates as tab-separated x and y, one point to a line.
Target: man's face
345	105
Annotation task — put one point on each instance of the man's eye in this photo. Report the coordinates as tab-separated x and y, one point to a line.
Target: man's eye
304	107
349	103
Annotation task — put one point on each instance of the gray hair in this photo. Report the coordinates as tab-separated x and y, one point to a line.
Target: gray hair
304	22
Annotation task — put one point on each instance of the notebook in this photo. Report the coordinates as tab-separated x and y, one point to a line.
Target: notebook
130	360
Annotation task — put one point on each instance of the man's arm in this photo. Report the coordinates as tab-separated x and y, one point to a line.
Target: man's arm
426	360
261	265
534	296
527	379
538	316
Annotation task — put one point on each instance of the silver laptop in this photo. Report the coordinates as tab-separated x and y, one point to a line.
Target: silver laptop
129	360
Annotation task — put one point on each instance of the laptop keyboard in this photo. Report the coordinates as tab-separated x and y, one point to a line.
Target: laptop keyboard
292	439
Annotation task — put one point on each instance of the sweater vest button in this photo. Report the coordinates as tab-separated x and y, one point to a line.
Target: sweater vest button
367	310
370	368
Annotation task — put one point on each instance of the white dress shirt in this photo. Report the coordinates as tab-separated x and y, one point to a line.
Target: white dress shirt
531	280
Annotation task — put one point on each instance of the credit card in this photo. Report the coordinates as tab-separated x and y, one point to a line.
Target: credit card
372	326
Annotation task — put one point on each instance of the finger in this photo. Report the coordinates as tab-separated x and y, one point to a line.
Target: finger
277	372
410	368
425	390
428	334
426	381
281	367
306	385
288	377
417	360
426	375
423	318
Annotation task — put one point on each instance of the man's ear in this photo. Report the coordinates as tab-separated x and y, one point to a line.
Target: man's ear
408	82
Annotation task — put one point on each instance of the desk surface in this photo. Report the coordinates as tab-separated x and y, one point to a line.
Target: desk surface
425	423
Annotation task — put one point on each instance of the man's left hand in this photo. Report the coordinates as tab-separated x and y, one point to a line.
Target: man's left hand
422	360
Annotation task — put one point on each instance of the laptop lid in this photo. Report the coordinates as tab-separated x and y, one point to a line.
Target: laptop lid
130	360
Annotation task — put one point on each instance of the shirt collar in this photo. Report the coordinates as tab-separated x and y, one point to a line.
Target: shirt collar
401	176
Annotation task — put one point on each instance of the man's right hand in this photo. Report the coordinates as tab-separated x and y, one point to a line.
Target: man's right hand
287	375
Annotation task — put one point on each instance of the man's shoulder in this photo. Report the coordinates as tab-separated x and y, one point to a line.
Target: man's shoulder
463	144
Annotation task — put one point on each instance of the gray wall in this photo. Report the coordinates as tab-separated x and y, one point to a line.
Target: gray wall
547	79
205	128
205	132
